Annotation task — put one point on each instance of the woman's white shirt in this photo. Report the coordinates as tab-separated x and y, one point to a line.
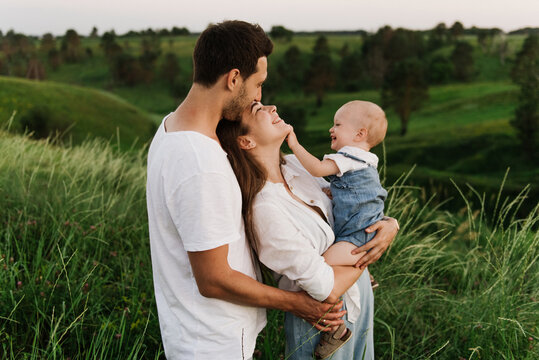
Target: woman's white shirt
292	237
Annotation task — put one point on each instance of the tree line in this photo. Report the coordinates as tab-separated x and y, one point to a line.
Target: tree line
400	63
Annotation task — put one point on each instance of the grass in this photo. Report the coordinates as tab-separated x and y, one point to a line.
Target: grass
76	281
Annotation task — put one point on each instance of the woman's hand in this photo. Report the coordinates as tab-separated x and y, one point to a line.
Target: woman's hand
386	231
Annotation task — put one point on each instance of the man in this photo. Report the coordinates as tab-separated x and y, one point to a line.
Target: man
209	302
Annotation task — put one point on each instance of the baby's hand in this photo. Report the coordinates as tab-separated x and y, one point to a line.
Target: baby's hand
327	191
291	139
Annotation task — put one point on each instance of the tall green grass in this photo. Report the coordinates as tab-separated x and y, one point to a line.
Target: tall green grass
75	271
76	281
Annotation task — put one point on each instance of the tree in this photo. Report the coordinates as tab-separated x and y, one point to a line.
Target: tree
47	43
109	45
351	71
320	75
291	68
525	73
405	89
71	48
35	70
179	31
281	33
94	33
437	37
463	62
170	68
440	70
403	44
456	30
54	58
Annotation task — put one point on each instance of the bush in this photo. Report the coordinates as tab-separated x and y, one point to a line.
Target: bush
40	123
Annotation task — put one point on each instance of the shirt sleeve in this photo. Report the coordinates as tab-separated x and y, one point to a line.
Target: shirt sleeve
343	163
202	209
285	250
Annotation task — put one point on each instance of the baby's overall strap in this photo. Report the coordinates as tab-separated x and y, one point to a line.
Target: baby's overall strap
353	157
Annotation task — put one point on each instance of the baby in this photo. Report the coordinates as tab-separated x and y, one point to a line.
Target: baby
358	196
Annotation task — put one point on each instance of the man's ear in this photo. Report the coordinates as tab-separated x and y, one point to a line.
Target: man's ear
246	143
361	134
233	79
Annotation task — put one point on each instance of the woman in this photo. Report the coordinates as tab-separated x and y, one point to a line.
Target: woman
287	220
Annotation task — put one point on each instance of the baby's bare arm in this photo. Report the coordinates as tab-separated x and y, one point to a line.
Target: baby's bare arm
340	253
314	166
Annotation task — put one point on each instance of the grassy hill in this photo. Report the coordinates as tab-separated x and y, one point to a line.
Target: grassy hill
76	279
77	112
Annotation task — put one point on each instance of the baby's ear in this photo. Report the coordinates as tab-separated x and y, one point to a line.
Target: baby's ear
361	134
246	143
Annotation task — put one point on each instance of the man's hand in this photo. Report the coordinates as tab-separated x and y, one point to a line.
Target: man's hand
386	231
291	139
321	315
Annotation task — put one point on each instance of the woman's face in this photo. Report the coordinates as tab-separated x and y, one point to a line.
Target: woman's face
264	124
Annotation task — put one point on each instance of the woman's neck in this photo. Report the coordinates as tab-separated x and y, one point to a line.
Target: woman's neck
271	162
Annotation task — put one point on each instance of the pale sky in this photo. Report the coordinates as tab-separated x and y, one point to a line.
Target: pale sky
36	17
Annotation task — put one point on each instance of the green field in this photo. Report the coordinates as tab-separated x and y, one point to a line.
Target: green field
76	280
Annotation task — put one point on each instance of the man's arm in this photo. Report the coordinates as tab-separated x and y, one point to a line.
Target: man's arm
314	166
216	279
386	231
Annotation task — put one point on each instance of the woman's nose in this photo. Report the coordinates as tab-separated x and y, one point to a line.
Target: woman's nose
273	108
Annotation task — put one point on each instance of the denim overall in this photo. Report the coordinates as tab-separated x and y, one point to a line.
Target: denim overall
358	202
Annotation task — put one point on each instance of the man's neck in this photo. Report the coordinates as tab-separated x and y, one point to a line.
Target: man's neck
200	111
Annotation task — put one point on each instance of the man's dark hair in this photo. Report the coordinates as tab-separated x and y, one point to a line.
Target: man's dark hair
226	46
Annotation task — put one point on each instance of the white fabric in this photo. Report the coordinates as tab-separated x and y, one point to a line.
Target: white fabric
194	204
292	237
346	164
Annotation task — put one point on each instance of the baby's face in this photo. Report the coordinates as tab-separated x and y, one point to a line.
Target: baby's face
343	131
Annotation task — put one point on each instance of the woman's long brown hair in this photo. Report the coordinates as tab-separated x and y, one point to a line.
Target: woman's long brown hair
250	174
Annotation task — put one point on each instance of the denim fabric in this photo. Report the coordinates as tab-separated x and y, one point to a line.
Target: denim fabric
302	337
358	202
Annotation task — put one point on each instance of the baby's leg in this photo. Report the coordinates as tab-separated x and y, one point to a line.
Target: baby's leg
340	254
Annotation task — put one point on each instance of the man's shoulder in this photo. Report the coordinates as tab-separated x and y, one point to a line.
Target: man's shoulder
187	155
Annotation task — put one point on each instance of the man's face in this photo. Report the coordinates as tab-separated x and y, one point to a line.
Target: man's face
249	91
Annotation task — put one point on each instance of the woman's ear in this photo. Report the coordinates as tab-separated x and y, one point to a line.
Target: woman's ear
246	143
233	79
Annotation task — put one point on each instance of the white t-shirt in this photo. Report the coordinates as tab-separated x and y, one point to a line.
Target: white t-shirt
346	164
194	204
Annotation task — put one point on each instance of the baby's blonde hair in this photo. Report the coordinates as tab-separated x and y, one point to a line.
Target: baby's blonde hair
368	115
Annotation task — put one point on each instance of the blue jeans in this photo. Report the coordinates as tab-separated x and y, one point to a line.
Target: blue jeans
302	337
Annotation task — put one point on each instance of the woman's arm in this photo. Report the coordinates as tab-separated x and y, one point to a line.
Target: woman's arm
285	250
345	276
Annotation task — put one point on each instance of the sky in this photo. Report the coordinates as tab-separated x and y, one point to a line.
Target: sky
36	17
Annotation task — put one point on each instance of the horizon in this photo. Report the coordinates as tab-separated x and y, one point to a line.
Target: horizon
57	16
